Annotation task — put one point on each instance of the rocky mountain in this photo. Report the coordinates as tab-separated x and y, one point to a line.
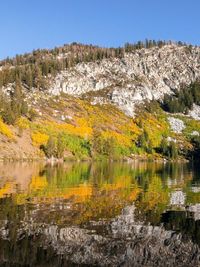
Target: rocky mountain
141	99
124	79
144	74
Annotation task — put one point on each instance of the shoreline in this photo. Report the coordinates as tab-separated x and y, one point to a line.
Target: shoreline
125	159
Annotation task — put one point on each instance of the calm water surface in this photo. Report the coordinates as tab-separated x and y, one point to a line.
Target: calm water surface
81	214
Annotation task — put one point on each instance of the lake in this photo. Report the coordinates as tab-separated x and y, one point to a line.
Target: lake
100	214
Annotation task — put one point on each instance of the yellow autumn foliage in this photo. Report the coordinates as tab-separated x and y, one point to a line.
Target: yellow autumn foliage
134	193
119	182
5	190
41	192
155	126
81	193
121	139
155	194
53	127
39	139
38	183
5	130
23	123
82	131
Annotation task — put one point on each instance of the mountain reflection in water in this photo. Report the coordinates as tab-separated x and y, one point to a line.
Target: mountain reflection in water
100	214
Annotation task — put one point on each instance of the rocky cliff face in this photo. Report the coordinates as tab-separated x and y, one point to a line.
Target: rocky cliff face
145	74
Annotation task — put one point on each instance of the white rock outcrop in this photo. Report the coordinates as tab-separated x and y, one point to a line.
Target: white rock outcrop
177	198
195	209
195	112
145	74
176	125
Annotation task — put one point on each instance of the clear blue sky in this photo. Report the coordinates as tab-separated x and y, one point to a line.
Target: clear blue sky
29	24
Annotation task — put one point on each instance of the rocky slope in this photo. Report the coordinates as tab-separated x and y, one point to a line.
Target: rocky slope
66	102
145	74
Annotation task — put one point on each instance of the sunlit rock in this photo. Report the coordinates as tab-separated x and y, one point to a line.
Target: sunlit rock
145	74
177	198
176	125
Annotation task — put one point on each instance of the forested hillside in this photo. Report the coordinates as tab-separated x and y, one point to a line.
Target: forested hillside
87	102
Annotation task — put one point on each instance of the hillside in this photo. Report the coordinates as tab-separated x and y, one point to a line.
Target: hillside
83	102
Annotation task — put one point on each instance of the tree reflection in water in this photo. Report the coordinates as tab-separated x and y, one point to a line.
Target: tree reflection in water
117	214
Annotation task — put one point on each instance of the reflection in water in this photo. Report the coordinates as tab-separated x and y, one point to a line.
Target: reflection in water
139	214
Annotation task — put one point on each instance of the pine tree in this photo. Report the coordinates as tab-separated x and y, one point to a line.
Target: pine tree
16	99
60	147
38	79
109	147
164	146
173	151
51	147
7	113
29	78
97	142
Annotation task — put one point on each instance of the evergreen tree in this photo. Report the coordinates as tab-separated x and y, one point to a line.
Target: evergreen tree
97	142
8	115
173	151
60	146
164	146
145	143
16	99
50	149
38	79
29	78
109	147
